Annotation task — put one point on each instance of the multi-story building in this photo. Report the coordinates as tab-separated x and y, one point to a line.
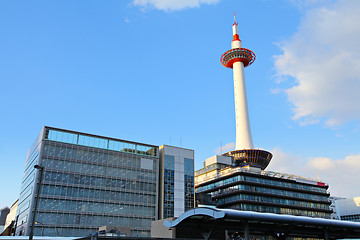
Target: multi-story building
88	181
176	181
332	207
12	214
249	188
3	214
348	209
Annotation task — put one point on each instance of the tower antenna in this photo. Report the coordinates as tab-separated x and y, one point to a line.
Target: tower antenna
234	18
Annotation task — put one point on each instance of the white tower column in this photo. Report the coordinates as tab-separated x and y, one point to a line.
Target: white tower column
243	131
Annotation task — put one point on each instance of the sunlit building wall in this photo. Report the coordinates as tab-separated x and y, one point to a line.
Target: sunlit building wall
252	189
348	209
12	214
176	181
89	181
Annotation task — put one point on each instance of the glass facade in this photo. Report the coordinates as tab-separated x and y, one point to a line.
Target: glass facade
169	168
271	182
28	186
177	181
91	181
354	217
189	183
251	190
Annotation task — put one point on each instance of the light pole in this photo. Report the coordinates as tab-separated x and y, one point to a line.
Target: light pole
42	225
41	169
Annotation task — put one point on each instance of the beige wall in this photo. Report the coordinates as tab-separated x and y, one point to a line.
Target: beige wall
12	214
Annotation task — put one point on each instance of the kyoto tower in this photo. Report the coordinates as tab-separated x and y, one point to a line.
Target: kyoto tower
238	58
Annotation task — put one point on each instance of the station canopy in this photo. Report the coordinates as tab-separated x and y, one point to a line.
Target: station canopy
212	223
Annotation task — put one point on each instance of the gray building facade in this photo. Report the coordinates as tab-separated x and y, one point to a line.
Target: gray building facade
348	209
89	181
176	181
225	184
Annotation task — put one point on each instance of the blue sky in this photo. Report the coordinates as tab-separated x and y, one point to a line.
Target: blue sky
149	71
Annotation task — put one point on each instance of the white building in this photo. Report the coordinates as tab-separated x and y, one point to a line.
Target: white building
12	214
176	181
348	209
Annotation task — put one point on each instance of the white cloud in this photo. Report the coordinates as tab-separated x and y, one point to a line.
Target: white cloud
172	5
307	3
276	90
285	162
323	58
342	175
320	163
227	147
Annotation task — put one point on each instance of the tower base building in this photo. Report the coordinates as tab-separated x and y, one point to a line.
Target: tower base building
225	184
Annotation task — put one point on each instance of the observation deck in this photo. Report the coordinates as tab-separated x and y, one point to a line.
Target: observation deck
252	157
246	56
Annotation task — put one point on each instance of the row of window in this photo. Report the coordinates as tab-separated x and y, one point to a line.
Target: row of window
96	194
217	166
69	178
305	196
189	166
92	156
241	178
263	199
355	218
78	232
82	220
169	162
280	210
95	207
168	212
97	142
85	168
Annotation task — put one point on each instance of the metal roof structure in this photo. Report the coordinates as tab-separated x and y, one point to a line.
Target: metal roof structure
211	223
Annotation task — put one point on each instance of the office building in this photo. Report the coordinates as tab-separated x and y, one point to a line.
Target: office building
332	207
12	213
176	181
238	179
3	214
348	209
252	189
10	220
88	181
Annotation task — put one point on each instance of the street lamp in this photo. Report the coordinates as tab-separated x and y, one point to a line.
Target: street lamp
41	169
42	225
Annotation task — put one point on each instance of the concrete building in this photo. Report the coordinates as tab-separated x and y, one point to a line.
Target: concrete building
12	214
89	181
3	214
176	181
251	189
11	219
348	209
332	207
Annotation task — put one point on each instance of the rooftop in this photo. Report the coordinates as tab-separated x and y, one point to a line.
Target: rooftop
231	170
